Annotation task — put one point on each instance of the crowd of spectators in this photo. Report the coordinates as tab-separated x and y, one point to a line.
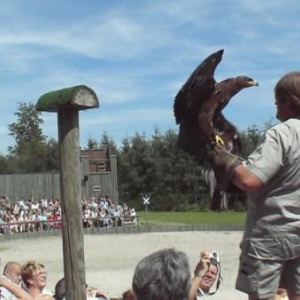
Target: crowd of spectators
162	275
45	214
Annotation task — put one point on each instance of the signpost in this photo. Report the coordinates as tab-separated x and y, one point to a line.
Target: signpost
146	202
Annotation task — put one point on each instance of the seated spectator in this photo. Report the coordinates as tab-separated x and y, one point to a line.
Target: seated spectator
34	278
3	227
108	200
12	271
104	218
18	225
91	293
132	214
112	214
86	215
28	219
127	295
42	217
163	275
55	220
13	225
16	292
205	275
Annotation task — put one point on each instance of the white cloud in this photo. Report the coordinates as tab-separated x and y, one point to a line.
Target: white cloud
137	55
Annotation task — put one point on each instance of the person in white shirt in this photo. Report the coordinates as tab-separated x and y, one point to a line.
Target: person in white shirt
10	281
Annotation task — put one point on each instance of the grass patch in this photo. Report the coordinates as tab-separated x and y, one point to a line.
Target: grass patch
190	218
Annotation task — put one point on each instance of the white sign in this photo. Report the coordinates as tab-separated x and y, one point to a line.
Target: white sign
97	188
146	199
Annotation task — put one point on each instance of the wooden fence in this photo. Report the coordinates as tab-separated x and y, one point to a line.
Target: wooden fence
38	185
129	229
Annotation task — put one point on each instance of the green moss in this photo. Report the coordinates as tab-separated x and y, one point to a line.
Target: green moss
60	99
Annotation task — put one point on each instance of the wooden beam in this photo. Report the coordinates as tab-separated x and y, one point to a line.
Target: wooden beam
67	103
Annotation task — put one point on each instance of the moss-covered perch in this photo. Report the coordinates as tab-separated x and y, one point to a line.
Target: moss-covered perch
67	103
78	97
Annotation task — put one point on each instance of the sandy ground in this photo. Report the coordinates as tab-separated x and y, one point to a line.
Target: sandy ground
110	259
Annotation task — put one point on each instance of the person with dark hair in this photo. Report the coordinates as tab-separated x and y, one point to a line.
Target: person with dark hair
60	289
162	275
270	248
91	293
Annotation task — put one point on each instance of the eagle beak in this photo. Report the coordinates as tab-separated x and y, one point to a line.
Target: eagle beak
253	83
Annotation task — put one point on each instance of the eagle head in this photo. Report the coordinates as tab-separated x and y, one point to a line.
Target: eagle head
245	81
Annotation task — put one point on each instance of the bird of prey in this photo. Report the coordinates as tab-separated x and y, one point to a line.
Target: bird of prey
198	108
198	111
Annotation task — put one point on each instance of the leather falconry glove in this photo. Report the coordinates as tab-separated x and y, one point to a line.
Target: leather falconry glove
223	163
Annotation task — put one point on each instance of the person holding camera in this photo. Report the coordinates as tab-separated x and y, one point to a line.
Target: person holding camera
206	273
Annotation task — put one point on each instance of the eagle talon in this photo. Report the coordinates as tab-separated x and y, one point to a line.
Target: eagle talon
219	140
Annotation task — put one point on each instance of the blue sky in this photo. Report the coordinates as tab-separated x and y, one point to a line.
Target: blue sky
136	55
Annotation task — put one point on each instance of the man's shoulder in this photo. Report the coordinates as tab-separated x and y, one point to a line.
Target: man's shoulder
6	294
290	123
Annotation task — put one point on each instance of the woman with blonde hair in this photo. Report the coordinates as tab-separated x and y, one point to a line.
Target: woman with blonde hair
34	278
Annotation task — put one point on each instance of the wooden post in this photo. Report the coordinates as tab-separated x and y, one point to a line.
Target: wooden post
67	103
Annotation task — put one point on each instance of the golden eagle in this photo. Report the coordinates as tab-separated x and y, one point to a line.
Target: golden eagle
198	110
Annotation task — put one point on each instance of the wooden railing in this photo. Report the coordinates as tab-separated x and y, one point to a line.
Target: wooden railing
33	226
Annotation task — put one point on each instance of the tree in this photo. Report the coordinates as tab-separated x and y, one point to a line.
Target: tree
52	155
26	129
251	137
106	140
155	165
92	143
32	152
3	164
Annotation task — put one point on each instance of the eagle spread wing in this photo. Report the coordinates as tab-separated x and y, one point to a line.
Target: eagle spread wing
198	108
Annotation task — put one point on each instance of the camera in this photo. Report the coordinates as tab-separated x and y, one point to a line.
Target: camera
215	258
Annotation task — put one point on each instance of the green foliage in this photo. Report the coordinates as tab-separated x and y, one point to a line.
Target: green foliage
32	152
92	143
26	129
3	164
106	140
157	166
252	136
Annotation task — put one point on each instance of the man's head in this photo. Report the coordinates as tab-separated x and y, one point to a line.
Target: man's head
12	270
209	261
287	96
209	278
60	289
163	275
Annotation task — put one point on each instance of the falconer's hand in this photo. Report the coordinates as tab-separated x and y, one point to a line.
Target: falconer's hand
223	163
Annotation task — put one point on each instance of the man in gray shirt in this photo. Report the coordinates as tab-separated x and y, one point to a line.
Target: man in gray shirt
270	248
